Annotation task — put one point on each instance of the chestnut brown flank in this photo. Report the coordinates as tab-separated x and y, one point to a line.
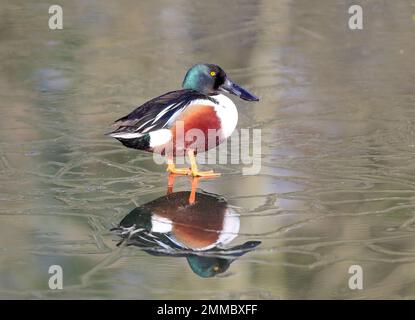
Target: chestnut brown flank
202	117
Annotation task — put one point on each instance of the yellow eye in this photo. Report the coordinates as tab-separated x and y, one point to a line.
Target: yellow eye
213	73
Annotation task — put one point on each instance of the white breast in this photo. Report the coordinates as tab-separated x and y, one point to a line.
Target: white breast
227	113
225	110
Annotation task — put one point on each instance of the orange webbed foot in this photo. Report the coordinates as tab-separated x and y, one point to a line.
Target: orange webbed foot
171	168
194	171
204	174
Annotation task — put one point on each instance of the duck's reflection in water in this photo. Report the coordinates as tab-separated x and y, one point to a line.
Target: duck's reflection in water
198	226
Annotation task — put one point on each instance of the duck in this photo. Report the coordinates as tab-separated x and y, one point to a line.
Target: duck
201	232
164	124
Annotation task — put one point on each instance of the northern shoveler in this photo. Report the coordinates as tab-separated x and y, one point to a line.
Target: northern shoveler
202	232
164	124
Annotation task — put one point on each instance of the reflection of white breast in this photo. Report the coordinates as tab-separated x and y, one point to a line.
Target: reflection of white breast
227	113
230	230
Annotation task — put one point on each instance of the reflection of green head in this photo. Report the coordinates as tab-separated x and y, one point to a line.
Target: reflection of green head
207	267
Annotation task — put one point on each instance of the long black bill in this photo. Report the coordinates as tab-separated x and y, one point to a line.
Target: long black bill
233	88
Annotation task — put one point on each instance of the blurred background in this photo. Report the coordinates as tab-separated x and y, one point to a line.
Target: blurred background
337	184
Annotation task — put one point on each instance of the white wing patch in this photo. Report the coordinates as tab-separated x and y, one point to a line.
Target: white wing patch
126	135
143	124
148	128
160	137
163	112
173	118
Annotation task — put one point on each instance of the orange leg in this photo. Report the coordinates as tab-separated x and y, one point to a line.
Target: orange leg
171	168
194	171
192	197
170	183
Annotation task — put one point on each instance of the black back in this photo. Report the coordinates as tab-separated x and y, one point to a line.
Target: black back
142	117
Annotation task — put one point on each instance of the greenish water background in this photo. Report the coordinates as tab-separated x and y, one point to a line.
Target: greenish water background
337	184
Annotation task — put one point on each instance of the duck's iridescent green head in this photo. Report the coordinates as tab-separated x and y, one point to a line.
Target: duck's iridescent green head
210	79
